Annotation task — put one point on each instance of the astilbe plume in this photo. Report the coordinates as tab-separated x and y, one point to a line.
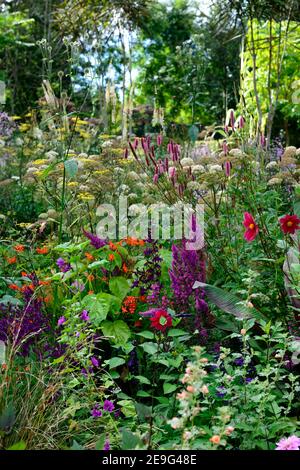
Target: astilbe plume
188	266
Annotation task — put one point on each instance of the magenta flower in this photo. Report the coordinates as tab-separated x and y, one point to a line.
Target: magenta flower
106	445
95	412
108	406
63	265
84	315
227	166
288	443
95	361
61	321
159	139
251	226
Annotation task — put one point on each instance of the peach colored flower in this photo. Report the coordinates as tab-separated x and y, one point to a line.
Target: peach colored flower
215	439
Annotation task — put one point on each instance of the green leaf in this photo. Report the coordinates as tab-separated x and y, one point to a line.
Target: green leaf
143	394
21	445
150	348
118	331
143	411
176	332
116	362
169	388
129	440
98	306
228	302
71	167
146	334
9	299
119	287
96	264
143	379
100	442
76	446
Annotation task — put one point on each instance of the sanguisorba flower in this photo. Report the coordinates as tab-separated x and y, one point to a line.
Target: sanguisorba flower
288	443
289	223
161	320
251	226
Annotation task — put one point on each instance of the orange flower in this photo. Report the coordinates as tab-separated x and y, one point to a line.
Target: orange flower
14	287
111	257
48	299
215	439
44	283
112	246
124	268
42	251
90	292
142	298
134	241
90	277
23	274
129	304
89	256
19	248
12	260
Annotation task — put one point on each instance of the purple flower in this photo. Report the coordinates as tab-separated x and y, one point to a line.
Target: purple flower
239	361
96	242
78	286
288	443
95	412
106	445
95	361
84	315
61	321
108	406
63	265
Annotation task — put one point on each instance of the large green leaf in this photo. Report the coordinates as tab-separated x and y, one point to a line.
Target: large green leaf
118	331
228	302
98	306
119	287
129	440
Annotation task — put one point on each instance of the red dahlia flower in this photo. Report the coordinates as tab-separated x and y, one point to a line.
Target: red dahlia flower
161	320
251	226
289	223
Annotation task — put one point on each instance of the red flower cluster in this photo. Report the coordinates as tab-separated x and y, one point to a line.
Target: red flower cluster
161	320
129	304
